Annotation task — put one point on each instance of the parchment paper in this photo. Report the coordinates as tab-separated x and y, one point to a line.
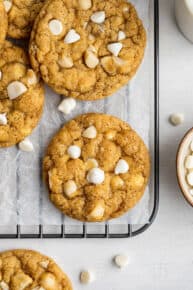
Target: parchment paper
23	197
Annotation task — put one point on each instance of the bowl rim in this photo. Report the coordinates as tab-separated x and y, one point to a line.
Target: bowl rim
179	178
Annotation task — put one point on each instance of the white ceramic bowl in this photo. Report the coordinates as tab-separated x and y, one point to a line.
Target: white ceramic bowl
183	152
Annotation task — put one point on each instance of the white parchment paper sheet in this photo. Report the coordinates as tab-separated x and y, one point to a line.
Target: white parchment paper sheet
23	197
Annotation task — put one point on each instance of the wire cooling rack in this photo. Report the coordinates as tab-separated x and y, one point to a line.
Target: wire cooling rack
107	230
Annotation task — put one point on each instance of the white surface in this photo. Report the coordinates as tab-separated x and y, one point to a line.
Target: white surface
161	258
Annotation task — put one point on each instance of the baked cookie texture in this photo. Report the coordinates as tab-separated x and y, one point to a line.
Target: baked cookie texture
120	161
26	269
21	16
83	59
21	96
3	23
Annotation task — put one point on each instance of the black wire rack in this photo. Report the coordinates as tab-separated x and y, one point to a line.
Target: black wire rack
82	231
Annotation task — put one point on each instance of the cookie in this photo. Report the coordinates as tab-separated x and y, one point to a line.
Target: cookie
21	96
96	168
26	269
3	23
87	49
21	16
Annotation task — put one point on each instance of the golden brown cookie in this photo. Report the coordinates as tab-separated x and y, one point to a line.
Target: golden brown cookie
96	168
21	96
21	16
26	269
3	23
87	49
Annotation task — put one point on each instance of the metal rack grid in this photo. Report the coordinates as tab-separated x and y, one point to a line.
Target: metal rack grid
131	230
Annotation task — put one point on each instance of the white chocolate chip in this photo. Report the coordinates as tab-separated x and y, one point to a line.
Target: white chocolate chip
32	77
55	27
48	281
121	167
74	151
3	119
92	48
176	119
4	285
125	9
121	261
16	89
71	37
98	17
38	288
91	59
90	132
7	5
44	264
97	212
70	188
189	162
66	62
121	35
191	191
85	4
67	106
190	178
26	145
115	48
96	176
86	277
191	146
23	280
1	74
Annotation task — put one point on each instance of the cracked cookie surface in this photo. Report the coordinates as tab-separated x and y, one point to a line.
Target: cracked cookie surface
21	96
21	16
30	270
3	23
96	168
87	49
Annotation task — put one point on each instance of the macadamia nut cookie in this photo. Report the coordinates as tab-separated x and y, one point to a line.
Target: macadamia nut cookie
26	269
21	96
96	168
3	23
21	16
87	49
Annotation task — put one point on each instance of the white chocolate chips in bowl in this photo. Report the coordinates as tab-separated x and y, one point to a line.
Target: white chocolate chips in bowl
185	166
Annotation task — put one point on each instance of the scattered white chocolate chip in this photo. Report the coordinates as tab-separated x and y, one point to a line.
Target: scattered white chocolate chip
70	188
85	4
121	261
32	78
26	145
98	17
115	48
3	119
90	132
1	74
86	277
121	35
191	146
66	62
91	59
97	212
67	106
4	285
16	89
189	162
71	37
190	178
55	26
176	119
7	5
44	264
74	151
96	176
121	167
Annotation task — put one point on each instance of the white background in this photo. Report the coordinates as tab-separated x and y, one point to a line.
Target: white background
161	258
